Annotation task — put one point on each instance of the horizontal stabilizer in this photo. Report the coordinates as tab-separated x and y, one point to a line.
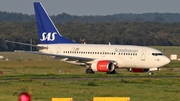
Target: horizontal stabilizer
26	44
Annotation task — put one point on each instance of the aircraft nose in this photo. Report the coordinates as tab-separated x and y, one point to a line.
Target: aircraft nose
166	60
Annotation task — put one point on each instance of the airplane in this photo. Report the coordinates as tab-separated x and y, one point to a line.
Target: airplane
96	57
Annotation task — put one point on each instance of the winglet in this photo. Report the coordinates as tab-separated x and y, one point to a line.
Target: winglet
48	33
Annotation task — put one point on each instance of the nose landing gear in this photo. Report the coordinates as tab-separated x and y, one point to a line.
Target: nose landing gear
151	72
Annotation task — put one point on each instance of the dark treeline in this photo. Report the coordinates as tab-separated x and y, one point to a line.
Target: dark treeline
65	18
124	33
127	29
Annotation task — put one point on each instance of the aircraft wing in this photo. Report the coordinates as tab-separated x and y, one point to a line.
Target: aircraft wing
83	61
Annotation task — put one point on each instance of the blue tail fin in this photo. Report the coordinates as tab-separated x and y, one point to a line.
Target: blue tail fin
48	33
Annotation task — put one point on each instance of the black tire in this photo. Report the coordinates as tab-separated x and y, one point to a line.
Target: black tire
151	73
89	71
112	72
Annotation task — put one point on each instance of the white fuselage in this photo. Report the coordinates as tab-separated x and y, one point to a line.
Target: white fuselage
127	56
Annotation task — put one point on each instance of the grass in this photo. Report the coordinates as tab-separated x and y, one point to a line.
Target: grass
84	90
24	72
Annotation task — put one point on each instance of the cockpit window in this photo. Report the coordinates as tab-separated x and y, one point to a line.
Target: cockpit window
157	54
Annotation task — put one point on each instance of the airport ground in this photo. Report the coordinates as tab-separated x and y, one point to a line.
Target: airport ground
44	78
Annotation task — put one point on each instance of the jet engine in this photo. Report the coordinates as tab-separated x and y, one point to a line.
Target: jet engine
103	66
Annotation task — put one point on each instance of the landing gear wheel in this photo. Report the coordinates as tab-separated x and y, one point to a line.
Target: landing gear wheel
112	72
89	71
151	73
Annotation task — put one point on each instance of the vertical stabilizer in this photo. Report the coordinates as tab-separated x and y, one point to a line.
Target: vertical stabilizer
48	33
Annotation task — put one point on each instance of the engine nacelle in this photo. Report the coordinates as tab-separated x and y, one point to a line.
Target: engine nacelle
103	66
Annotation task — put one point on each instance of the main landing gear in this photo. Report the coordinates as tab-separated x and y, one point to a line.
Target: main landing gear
112	72
89	71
